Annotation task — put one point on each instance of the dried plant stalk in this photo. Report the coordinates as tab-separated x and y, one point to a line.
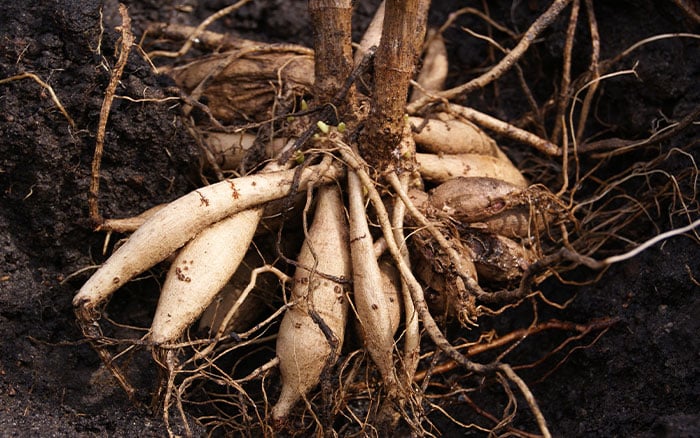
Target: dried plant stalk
402	36
332	43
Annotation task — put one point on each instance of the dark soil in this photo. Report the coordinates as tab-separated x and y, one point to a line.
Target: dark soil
640	379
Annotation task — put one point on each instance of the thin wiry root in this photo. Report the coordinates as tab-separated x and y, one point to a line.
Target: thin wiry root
127	41
47	87
193	37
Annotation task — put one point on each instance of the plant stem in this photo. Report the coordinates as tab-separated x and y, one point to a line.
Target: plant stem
332	46
395	61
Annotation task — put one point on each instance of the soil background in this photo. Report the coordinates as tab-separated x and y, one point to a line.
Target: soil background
640	379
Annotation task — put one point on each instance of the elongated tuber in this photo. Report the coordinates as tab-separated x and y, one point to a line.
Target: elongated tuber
439	168
302	347
174	225
370	299
200	271
452	136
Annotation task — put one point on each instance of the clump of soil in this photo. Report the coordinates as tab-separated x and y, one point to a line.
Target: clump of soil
637	380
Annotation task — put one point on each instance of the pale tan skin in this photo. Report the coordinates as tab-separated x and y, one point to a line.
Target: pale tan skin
216	318
174	225
373	306
302	348
498	258
200	271
490	204
440	168
452	136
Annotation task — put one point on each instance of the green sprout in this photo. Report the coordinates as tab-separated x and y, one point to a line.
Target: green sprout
323	127
298	157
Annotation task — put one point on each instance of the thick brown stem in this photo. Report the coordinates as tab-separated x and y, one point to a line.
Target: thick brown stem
402	36
332	46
